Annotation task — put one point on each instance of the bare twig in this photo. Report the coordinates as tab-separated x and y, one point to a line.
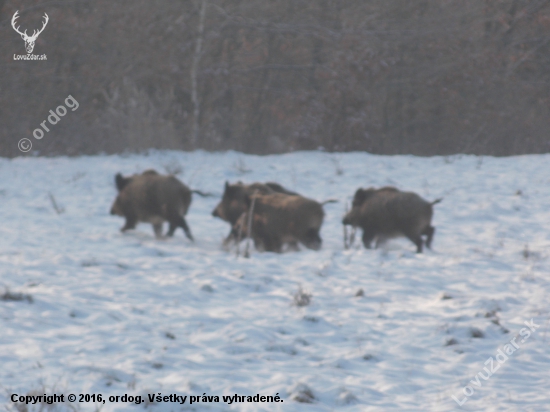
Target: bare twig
348	241
346	245
352	236
249	225
239	235
58	209
194	70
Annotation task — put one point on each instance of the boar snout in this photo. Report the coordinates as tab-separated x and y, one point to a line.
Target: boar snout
346	220
114	209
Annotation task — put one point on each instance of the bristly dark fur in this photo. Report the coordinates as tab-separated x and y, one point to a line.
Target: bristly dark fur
387	212
234	204
153	198
280	219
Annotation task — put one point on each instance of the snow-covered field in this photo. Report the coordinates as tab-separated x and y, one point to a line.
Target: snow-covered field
116	314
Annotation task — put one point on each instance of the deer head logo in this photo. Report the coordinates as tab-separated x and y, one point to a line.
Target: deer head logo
29	40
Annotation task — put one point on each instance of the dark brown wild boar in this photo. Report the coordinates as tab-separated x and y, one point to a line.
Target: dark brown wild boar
279	219
233	203
152	198
387	212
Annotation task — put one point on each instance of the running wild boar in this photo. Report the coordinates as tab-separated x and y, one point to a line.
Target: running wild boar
279	219
152	198
387	212
234	203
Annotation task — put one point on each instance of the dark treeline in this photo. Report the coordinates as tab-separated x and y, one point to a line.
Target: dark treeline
268	76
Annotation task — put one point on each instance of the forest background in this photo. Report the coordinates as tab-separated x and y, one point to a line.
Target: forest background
418	77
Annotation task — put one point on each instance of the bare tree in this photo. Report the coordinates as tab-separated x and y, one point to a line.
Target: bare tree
422	77
194	72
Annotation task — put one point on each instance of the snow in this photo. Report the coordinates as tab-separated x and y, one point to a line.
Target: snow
117	314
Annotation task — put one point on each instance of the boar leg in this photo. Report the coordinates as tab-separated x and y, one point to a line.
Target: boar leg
171	229
429	232
270	243
186	229
416	239
293	246
231	237
368	237
179	222
157	228
259	244
312	239
380	240
131	222
273	245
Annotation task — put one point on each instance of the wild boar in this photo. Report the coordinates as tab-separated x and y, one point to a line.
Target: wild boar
233	203
152	198
279	219
387	212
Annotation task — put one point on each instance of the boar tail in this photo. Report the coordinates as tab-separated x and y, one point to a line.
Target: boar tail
203	194
436	201
329	201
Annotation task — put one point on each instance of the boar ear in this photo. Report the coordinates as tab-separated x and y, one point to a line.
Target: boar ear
226	184
359	197
120	181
